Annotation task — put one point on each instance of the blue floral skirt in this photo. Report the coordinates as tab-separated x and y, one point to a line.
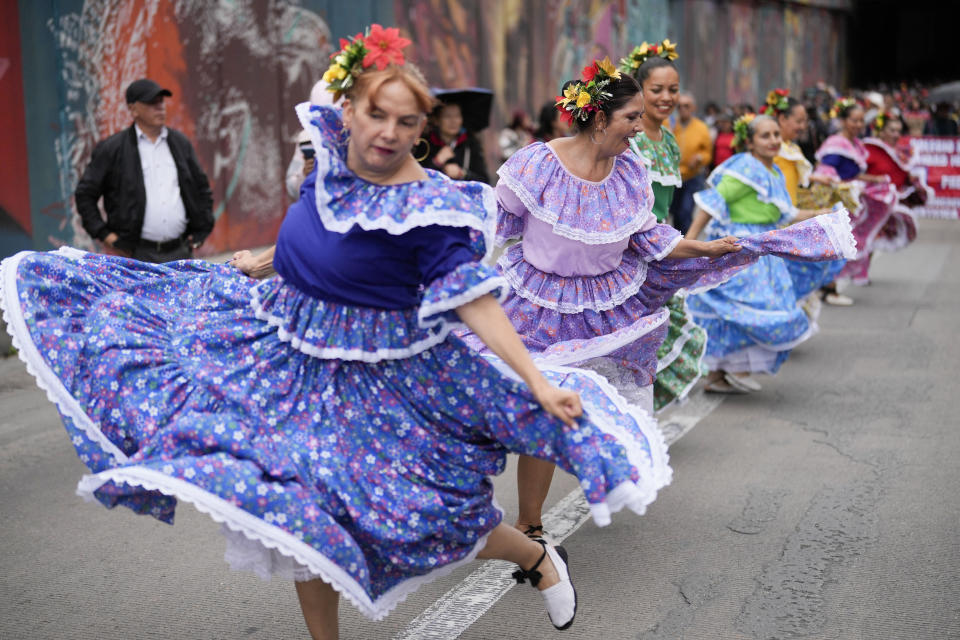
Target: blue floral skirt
754	319
371	476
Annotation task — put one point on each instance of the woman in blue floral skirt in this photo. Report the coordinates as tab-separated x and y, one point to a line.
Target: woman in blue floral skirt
326	416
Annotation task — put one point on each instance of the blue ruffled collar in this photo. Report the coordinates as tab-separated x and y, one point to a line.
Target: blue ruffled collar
345	200
770	185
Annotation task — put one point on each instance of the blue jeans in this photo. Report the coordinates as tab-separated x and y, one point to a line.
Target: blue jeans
682	206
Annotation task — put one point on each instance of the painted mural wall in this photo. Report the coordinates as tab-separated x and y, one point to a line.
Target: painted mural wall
237	68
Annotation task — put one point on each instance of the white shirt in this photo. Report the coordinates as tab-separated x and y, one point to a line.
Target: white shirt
165	217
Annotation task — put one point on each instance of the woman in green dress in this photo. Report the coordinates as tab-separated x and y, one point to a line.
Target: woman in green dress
680	357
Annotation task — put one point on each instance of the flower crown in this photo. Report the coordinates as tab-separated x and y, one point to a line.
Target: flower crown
587	96
645	51
378	47
840	105
741	130
883	117
776	103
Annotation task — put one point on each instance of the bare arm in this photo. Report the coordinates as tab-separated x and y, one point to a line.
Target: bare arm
485	317
700	220
806	214
256	266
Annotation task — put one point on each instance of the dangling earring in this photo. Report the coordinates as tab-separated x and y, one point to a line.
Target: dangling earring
426	144
604	132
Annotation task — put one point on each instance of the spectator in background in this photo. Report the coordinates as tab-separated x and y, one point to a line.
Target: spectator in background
723	143
942	123
303	160
549	124
916	116
710	113
157	198
452	149
516	135
696	148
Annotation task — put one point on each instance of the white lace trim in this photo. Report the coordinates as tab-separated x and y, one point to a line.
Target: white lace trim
784	207
686	333
448	304
838	229
843	153
586	237
719	216
631	495
890	151
27	350
618	298
601	346
671	180
665	251
271	537
339	353
428	216
790	151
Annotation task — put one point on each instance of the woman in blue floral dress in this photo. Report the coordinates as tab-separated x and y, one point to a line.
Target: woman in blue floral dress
326	416
753	320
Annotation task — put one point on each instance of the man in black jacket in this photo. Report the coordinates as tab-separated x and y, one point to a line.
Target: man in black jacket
157	198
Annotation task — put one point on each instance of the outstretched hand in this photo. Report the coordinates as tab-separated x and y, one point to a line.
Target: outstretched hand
719	247
560	403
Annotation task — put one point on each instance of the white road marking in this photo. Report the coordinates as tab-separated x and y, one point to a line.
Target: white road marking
460	607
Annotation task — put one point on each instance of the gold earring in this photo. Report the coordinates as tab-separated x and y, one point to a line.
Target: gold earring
426	153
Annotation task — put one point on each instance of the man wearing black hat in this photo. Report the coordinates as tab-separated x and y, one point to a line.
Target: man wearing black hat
157	198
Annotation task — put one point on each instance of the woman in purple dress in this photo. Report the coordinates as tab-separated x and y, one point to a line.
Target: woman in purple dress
591	276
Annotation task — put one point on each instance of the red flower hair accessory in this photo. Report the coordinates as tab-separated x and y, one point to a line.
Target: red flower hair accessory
582	98
379	47
776	103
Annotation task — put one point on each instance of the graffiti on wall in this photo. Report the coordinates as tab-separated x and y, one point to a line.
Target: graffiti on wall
237	68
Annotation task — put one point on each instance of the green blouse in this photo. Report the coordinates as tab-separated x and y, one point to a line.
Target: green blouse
743	204
662	159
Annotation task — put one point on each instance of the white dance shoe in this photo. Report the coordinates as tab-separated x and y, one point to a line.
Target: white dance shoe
561	598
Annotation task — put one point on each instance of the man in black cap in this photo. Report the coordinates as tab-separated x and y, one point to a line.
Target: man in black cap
157	198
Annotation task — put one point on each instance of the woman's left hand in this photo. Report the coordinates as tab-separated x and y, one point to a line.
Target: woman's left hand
721	246
560	403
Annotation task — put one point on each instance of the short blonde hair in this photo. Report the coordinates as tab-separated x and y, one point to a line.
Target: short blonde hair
369	83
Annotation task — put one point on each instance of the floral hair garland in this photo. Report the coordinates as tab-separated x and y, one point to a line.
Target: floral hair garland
645	51
883	117
378	47
776	103
741	130
587	96
840	105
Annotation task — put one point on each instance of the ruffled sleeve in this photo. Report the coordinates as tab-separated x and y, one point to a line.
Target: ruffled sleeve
453	275
655	243
510	215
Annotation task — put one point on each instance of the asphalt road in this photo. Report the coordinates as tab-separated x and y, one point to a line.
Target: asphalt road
825	506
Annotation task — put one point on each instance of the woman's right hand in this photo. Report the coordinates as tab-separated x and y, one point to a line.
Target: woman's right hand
445	153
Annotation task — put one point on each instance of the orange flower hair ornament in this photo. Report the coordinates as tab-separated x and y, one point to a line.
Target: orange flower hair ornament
582	98
645	51
776	103
379	47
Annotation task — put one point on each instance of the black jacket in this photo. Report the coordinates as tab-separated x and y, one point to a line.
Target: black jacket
115	173
468	154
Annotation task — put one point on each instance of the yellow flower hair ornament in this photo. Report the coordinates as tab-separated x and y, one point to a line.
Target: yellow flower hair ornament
741	130
587	96
776	103
639	55
841	105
